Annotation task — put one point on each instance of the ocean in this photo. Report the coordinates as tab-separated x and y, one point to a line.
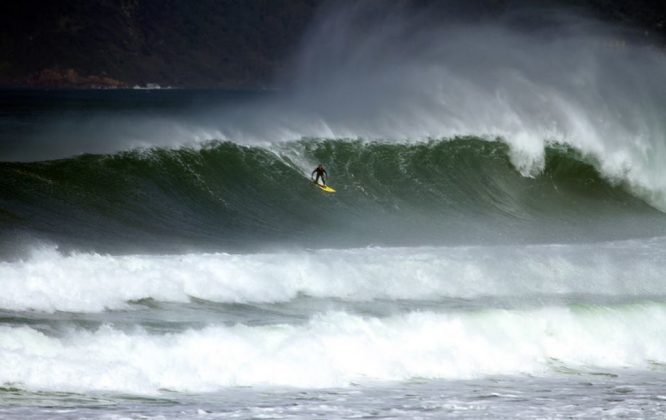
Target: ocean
495	247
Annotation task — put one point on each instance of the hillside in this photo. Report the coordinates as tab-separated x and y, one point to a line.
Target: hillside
203	43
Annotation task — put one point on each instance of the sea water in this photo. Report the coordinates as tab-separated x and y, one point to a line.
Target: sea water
495	247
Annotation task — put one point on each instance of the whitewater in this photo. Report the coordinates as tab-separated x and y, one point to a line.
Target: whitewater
495	247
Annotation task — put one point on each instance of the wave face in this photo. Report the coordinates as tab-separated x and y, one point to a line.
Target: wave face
229	196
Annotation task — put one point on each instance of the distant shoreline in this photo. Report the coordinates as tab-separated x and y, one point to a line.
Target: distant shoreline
221	44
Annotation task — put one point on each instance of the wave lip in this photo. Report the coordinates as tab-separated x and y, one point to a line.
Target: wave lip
337	349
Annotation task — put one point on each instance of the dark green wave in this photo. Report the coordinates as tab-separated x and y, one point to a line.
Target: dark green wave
227	196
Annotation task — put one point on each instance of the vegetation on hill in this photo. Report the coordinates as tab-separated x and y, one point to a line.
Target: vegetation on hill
185	43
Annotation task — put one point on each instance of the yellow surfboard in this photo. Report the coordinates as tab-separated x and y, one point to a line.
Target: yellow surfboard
324	187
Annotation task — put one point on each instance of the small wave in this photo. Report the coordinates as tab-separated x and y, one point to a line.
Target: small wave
337	349
50	281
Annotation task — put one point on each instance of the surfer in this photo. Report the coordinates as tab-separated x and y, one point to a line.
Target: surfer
321	173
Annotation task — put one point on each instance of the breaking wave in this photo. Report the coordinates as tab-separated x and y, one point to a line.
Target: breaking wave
228	196
50	281
338	349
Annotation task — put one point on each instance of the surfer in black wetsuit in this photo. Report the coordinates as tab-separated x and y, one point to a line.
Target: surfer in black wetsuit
321	173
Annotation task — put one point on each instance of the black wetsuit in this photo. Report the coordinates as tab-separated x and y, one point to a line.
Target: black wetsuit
321	173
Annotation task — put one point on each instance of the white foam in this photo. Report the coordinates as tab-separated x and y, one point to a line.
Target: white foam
50	281
337	349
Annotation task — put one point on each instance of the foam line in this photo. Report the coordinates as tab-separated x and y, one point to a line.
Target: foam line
337	349
50	281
